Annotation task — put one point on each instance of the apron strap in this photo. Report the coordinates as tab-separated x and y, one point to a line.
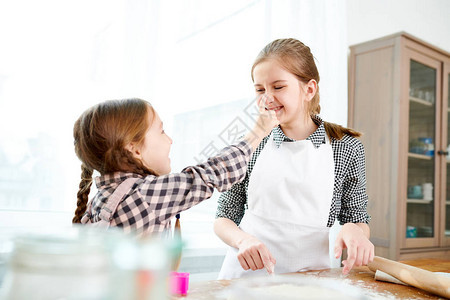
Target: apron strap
107	212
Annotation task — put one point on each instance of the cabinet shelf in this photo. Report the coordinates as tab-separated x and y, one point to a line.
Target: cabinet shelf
420	101
420	156
419	201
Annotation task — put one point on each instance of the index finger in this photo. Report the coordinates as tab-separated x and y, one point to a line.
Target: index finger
261	102
350	261
270	267
268	261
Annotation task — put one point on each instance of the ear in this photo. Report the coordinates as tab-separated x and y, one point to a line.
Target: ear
133	150
310	89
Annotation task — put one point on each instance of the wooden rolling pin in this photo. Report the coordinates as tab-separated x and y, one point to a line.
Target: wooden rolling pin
416	277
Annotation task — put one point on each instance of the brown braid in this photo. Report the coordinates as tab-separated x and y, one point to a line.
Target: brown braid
83	193
337	131
177	235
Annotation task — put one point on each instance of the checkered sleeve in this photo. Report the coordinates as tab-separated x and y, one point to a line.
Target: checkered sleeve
354	198
170	194
231	204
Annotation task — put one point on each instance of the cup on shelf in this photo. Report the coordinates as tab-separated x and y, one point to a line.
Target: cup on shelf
415	192
414	92
421	94
416	146
411	231
427	189
428	145
429	96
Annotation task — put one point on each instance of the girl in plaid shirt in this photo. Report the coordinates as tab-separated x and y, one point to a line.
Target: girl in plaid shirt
302	177
124	139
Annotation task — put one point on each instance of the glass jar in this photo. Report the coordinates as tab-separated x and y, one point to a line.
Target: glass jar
86	263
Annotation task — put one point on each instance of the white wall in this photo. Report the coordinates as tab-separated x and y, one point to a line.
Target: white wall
428	20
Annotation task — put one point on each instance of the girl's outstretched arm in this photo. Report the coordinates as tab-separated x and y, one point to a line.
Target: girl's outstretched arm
167	195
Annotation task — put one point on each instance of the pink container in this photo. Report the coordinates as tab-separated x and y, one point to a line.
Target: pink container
179	283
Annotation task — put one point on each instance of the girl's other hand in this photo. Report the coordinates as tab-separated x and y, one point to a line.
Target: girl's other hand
267	119
265	122
254	255
360	251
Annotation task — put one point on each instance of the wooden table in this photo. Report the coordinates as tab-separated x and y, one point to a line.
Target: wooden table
360	277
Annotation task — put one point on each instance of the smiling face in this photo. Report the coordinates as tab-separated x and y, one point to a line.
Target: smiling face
289	95
154	151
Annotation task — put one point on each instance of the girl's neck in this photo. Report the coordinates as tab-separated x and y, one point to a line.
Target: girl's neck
300	128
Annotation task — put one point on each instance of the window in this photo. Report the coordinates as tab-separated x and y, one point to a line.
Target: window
190	59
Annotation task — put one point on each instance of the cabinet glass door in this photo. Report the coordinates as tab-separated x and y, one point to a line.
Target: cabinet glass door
447	197
420	217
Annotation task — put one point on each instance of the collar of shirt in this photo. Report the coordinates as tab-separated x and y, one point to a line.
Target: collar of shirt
111	179
317	138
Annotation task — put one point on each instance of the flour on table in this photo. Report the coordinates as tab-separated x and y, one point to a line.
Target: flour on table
291	291
291	287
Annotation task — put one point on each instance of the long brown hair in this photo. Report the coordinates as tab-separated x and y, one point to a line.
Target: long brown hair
297	59
100	136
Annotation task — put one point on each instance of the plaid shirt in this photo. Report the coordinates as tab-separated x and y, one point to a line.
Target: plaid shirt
349	203
154	200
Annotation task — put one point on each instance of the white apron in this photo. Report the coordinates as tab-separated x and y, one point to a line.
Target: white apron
289	199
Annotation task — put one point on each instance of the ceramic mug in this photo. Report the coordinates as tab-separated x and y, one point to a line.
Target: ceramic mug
411	232
415	191
427	189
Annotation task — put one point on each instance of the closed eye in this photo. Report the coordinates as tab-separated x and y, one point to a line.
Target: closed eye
278	87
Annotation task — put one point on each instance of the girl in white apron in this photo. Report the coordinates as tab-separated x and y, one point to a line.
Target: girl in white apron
307	173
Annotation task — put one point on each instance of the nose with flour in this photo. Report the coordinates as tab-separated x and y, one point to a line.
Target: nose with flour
268	99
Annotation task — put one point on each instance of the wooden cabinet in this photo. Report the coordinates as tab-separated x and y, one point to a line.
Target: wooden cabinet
399	99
